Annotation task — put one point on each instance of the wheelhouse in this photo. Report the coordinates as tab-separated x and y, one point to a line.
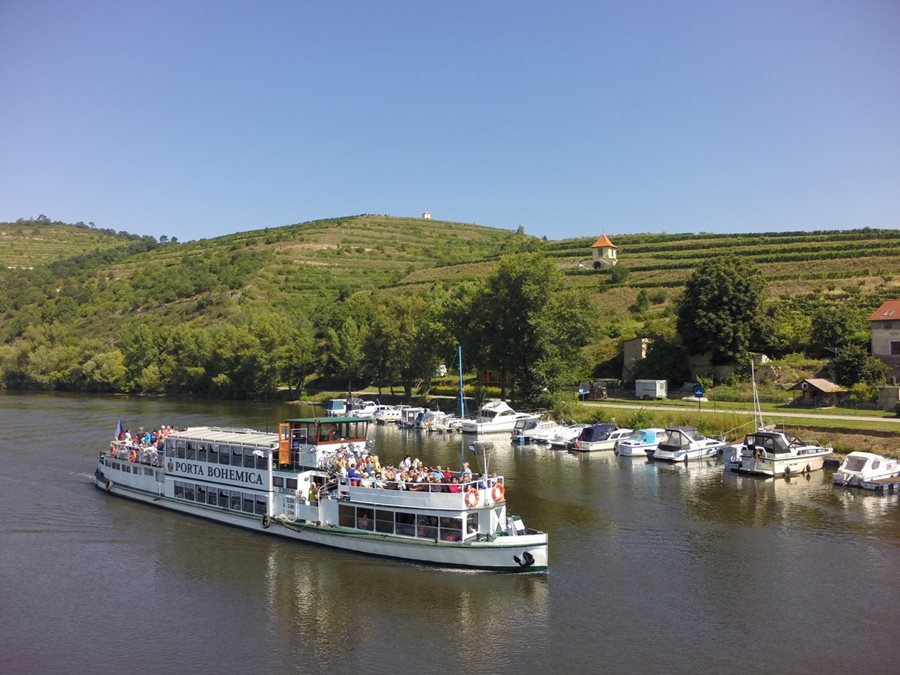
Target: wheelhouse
302	442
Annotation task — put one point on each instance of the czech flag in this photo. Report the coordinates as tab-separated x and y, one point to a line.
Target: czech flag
120	430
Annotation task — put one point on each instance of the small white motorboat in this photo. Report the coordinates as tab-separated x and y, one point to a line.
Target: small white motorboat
493	417
685	443
564	435
641	443
599	437
774	453
865	467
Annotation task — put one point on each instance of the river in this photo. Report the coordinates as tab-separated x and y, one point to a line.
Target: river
653	568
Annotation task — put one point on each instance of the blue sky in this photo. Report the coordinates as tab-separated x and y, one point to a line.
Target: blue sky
200	118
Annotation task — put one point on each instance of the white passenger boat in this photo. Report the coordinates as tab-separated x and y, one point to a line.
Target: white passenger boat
773	453
492	418
641	443
287	484
597	437
685	443
865	467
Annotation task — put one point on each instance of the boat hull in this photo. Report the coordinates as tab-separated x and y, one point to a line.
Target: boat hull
687	455
502	553
783	466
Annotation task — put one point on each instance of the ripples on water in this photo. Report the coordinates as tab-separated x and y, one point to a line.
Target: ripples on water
653	567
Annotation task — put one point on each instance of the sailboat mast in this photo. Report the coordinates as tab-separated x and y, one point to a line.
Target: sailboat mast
756	407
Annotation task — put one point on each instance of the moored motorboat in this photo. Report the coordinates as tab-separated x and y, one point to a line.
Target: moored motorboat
296	484
564	435
681	444
598	437
775	453
493	417
641	443
859	468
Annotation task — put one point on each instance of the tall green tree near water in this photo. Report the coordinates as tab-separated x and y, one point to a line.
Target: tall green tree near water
720	308
527	325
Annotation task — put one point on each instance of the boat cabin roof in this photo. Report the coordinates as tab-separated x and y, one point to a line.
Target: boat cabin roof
227	436
769	440
597	432
324	420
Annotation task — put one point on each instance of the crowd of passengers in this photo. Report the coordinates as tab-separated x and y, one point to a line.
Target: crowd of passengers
365	470
144	446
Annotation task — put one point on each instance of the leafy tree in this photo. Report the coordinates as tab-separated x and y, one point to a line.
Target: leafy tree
522	322
643	301
853	365
720	308
345	352
835	327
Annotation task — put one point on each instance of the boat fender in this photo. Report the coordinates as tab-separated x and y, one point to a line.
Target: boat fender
108	485
527	560
498	492
807	469
787	471
472	498
266	521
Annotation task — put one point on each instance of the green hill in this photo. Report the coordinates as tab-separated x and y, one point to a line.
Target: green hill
73	287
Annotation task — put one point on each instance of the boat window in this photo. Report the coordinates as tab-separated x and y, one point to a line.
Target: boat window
427	527
247	502
451	529
201	452
406	524
213	455
249	459
212	496
223	498
365	519
278	481
200	495
346	516
262	462
179	489
170	448
148	471
291	483
472	523
189	491
180	452
261	506
384	522
236	456
191	451
235	500
224	454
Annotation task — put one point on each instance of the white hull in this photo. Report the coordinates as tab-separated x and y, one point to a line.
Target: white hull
633	450
688	455
594	446
506	426
766	465
497	554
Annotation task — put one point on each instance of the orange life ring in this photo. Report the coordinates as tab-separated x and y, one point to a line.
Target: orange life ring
499	491
472	498
132	456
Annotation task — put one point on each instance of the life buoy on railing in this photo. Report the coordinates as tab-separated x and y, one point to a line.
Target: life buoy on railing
132	456
498	492
472	498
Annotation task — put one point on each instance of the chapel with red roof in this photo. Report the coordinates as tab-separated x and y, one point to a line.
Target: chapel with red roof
604	252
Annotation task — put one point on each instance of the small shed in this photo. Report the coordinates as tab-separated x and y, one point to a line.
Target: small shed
604	252
819	392
426	215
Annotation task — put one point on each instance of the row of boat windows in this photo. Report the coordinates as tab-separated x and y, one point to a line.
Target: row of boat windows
232	455
407	524
288	483
233	500
303	435
131	468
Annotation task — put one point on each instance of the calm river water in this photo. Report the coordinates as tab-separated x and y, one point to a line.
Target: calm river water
652	568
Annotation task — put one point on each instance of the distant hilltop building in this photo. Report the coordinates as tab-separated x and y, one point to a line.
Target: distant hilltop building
604	252
426	215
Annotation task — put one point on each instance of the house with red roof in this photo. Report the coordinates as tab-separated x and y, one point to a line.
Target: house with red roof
885	327
604	252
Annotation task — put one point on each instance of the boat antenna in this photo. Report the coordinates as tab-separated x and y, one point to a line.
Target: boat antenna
757	410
